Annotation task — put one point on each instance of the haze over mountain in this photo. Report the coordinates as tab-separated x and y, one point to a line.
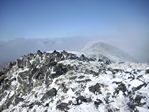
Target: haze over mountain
98	49
14	48
29	25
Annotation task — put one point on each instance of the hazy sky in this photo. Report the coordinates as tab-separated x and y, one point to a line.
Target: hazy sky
70	18
123	23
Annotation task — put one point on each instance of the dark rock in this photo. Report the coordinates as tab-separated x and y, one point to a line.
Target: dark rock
64	88
82	76
2	95
11	64
138	99
19	63
52	62
20	80
84	58
71	56
33	104
67	55
60	69
139	87
147	71
49	94
81	99
55	52
95	88
114	71
34	70
121	87
85	80
97	103
24	75
62	106
47	104
73	77
104	60
2	72
2	77
91	72
131	105
39	53
17	100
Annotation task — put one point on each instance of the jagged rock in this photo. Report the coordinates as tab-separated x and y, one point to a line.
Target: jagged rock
121	87
33	104
23	85
91	72
51	62
11	64
2	73
17	100
81	99
2	77
49	94
39	53
19	63
71	56
24	75
84	58
73	77
139	87
114	71
97	103
147	71
82	76
62	107
28	64
59	69
137	100
55	52
104	60
85	80
95	88
131	105
63	87
20	80
2	95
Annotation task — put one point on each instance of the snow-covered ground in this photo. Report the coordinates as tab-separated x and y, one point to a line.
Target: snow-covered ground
65	82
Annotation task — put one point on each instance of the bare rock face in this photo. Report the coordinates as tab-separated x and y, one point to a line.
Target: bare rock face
67	82
62	107
147	71
95	88
49	94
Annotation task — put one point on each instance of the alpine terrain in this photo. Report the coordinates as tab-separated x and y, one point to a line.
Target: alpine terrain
62	81
99	48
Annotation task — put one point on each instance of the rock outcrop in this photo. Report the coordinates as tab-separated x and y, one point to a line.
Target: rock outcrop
66	82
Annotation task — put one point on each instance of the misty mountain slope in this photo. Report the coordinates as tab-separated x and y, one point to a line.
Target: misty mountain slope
102	49
66	82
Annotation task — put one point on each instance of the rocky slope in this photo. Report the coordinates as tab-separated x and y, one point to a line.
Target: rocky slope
67	82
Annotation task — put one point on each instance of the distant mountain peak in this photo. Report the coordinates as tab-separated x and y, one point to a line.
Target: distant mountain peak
100	48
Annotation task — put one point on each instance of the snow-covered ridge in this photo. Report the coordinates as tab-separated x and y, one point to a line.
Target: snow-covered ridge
66	82
102	49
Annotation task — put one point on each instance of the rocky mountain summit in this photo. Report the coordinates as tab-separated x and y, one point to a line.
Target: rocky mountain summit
67	82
